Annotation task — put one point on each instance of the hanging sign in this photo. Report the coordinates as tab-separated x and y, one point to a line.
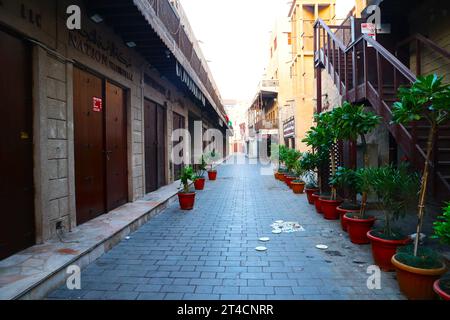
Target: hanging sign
369	29
97	104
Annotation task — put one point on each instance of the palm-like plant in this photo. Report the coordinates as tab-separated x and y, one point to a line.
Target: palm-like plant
442	226
428	98
309	163
345	178
201	169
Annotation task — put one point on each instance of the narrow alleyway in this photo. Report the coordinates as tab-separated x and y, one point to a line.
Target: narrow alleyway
209	253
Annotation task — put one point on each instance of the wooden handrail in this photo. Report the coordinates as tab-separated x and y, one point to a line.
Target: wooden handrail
445	53
397	64
330	33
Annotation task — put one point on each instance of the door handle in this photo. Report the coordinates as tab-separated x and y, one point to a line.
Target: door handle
107	153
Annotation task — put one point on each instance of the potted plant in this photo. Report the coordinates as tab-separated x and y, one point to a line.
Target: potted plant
396	189
442	232
359	223
282	150
345	178
185	196
427	98
199	179
309	162
291	158
321	138
211	158
298	185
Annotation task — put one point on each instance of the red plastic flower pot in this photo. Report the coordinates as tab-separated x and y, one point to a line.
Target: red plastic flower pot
309	193
288	180
357	229
282	176
317	202
276	174
186	200
329	208
212	175
383	250
437	288
341	211
199	184
297	187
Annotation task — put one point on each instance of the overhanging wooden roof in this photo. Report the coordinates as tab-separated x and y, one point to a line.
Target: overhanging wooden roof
159	36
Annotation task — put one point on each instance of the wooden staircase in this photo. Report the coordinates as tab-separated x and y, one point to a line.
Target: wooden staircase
365	71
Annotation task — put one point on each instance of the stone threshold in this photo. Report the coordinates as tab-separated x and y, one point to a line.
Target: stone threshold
40	269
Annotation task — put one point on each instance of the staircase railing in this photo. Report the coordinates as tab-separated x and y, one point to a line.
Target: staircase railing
365	70
420	42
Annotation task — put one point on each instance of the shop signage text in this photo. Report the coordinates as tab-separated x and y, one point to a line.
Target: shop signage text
105	52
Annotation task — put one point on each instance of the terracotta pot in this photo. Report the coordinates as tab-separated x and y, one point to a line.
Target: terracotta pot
212	175
282	176
357	229
317	202
442	294
199	183
288	180
186	200
417	283
277	175
309	193
383	250
341	211
297	187
329	208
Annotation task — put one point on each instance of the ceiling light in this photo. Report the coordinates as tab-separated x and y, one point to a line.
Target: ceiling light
96	18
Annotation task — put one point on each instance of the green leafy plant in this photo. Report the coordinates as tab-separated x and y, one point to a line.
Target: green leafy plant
201	169
320	138
291	159
211	158
428	98
396	190
345	178
442	226
353	121
187	174
309	162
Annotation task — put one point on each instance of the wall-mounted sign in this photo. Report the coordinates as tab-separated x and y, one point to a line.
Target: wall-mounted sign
289	128
369	29
93	45
97	104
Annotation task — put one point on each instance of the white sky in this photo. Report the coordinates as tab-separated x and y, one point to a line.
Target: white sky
235	37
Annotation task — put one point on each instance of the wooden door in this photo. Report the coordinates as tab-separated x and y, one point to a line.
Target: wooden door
17	230
178	123
115	147
161	145
89	146
151	179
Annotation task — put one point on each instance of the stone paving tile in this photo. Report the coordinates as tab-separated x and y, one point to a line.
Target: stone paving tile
209	252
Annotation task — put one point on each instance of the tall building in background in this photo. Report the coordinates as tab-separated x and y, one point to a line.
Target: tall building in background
237	114
303	15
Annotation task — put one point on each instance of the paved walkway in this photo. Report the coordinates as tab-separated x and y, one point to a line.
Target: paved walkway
209	253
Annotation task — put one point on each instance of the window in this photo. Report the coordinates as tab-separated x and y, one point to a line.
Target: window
289	34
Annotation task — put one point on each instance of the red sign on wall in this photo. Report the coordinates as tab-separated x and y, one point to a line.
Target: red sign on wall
97	104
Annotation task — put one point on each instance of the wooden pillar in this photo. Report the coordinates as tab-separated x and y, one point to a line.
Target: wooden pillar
319	89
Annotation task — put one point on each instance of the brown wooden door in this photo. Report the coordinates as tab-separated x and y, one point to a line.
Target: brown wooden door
161	145
17	230
89	142
116	147
155	146
151	179
178	123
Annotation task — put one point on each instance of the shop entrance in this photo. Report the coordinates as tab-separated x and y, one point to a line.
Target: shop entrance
17	230
100	146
